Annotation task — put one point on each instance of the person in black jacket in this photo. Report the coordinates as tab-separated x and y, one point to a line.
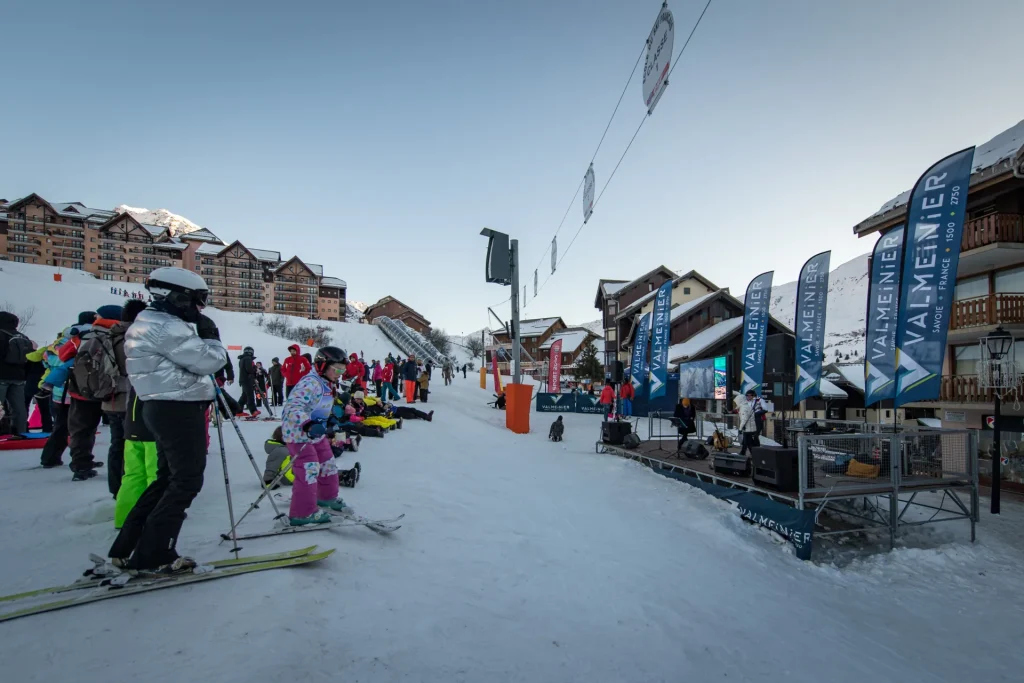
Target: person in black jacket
13	348
410	373
276	382
686	416
225	376
247	382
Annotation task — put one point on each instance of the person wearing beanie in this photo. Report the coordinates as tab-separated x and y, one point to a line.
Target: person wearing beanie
86	318
14	347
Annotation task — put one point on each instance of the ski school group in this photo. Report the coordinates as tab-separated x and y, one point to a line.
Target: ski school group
153	372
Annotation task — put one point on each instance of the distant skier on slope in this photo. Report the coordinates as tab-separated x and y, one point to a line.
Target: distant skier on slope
169	366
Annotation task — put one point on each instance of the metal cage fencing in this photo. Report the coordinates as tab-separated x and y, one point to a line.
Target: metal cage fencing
726	423
833	462
776	427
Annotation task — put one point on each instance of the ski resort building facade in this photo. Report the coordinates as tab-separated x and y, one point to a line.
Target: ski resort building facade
989	281
391	307
533	336
119	248
615	295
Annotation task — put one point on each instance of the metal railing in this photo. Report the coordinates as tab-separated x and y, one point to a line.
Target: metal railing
408	340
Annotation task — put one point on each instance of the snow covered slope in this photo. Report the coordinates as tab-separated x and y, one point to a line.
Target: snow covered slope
518	560
57	304
179	225
847	297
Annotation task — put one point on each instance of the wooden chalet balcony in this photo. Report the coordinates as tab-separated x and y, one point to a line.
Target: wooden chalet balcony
964	389
993	309
992	229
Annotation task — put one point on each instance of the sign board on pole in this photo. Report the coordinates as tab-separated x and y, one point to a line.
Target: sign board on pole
534	283
588	193
554	253
659	57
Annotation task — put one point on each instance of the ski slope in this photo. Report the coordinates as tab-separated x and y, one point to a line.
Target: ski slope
518	560
57	304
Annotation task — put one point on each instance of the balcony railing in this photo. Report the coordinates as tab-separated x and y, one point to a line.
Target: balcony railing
964	389
992	309
996	227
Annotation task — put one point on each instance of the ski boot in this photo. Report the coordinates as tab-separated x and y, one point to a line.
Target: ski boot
349	478
83	475
337	505
318	517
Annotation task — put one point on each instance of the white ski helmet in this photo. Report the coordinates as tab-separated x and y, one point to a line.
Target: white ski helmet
180	287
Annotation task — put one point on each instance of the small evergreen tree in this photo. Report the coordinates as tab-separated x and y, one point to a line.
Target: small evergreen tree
588	366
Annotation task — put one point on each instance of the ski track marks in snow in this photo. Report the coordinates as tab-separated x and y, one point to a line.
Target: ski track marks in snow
518	560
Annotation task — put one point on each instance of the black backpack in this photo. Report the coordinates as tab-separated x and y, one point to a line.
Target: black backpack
18	347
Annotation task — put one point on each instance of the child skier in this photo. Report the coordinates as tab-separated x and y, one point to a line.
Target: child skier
305	423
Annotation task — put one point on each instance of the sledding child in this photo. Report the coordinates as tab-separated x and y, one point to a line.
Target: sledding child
372	418
306	418
557	428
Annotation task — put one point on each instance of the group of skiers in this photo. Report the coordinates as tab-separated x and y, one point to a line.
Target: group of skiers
120	291
152	373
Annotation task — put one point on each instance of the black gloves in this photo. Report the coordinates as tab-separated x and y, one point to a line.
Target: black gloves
207	329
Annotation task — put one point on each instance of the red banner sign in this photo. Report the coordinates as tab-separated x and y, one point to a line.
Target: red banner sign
555	368
494	369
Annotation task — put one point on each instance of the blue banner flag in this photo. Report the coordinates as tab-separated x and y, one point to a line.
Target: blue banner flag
659	339
755	331
809	325
638	361
883	309
931	254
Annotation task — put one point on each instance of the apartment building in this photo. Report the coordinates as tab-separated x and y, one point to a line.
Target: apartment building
613	296
119	248
392	308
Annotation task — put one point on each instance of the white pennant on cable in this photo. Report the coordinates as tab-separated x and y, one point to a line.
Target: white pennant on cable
659	57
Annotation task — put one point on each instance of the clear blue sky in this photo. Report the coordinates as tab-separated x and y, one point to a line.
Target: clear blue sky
378	138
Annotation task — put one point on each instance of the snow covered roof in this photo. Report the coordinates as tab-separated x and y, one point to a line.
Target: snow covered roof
201	235
177	246
852	373
829	390
153	229
80	210
572	339
537	327
610	288
333	282
639	303
703	340
316	268
1005	146
210	248
265	254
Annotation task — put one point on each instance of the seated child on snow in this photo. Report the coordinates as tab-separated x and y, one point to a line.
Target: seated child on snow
555	433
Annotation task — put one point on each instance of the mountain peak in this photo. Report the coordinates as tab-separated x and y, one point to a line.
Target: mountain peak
177	225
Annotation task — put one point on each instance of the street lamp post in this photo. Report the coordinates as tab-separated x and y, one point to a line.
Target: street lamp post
994	349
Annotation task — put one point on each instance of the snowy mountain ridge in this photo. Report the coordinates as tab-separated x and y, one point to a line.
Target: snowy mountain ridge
847	300
177	225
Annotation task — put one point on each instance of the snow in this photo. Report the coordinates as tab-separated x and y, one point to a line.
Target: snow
533	328
595	326
522	561
316	268
1004	146
57	305
210	248
178	225
611	288
829	390
844	318
518	560
704	339
265	255
853	373
684	308
571	340
332	282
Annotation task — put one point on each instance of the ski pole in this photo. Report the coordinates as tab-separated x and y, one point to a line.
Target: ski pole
245	446
227	483
267	488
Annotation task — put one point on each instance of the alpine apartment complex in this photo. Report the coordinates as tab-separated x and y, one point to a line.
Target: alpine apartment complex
117	247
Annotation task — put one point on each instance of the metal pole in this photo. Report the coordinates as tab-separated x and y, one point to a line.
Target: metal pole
516	346
997	450
245	446
227	483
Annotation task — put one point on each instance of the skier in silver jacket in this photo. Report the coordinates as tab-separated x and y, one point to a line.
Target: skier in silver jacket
170	364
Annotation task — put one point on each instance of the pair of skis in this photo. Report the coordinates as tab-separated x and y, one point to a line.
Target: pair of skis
96	587
342	519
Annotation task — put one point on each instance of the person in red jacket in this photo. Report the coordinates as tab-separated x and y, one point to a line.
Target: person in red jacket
627	394
608	399
387	387
294	368
355	373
